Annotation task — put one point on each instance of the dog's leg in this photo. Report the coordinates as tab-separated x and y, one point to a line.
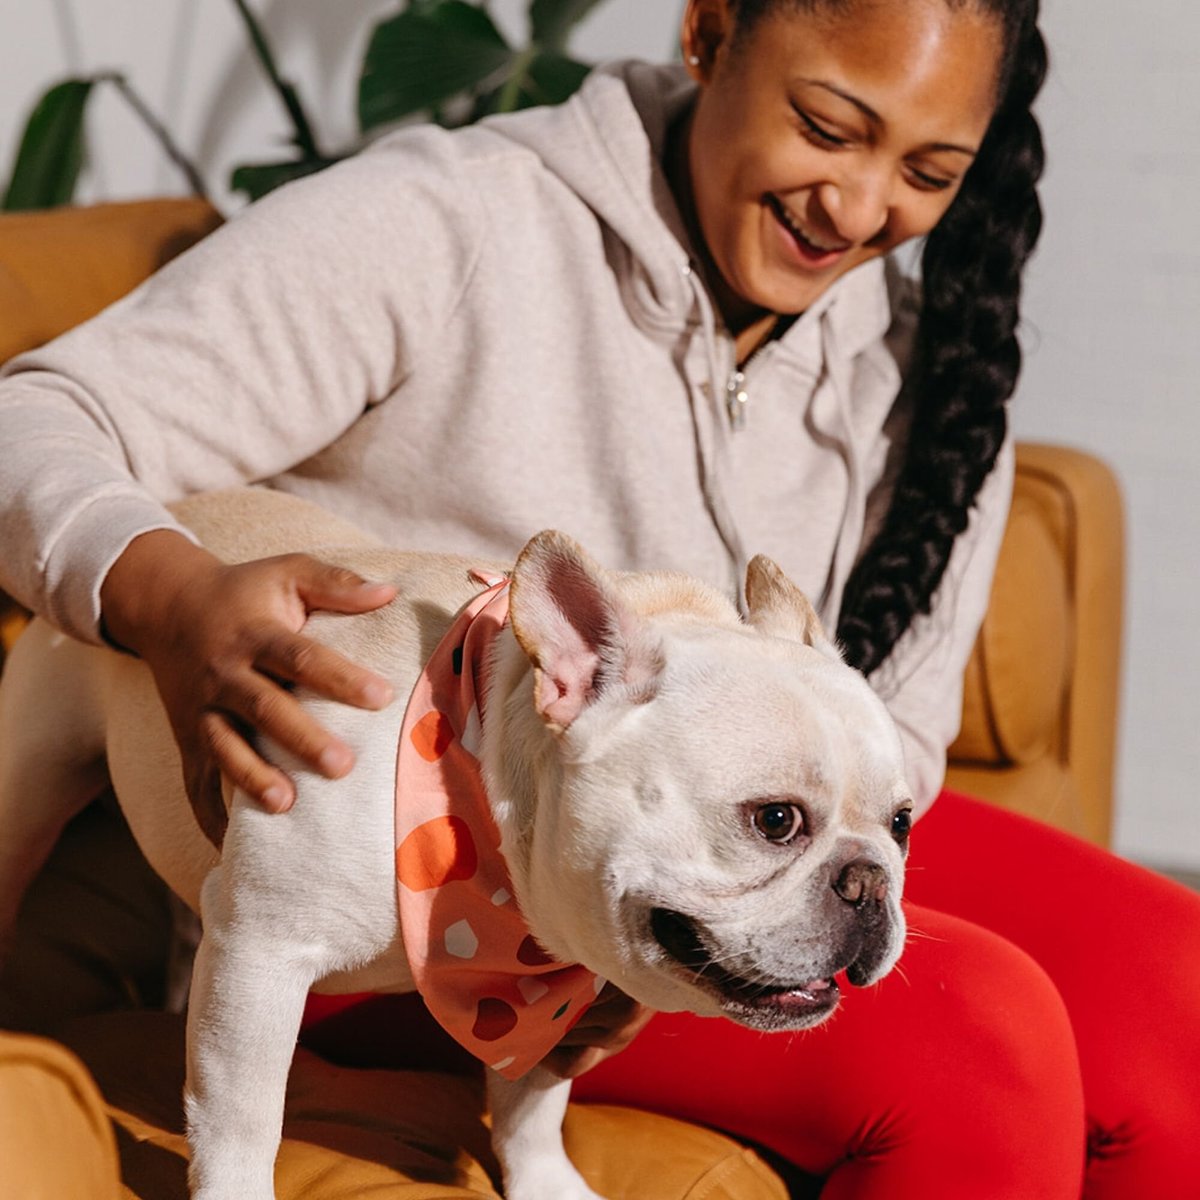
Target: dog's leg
248	989
51	753
527	1117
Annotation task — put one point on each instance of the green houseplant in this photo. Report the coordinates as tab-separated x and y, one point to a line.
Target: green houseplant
442	60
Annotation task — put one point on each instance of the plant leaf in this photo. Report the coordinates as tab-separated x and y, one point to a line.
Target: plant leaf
424	56
553	78
548	79
551	21
257	179
51	153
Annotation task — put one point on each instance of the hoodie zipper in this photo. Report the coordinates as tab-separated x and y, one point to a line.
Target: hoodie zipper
736	399
737	393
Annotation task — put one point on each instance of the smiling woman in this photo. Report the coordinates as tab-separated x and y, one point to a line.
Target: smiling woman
838	140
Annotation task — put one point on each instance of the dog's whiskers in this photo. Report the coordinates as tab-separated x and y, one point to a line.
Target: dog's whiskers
919	935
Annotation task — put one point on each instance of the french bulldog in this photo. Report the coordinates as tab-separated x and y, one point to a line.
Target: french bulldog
707	810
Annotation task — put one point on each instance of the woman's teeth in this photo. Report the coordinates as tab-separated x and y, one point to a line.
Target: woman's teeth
806	235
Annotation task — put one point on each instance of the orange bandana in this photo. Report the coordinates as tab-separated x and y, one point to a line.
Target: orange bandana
477	966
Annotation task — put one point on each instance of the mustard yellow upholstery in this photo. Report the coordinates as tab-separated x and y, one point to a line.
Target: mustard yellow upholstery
58	268
56	1139
1040	696
405	1134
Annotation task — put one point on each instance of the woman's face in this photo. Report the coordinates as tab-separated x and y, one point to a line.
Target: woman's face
822	139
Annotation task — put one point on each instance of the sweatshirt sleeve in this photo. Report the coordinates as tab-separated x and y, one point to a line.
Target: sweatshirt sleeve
239	360
922	681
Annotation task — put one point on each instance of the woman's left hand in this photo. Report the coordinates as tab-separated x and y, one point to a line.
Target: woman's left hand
611	1023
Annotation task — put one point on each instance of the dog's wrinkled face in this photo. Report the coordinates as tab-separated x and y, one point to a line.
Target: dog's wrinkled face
781	864
730	818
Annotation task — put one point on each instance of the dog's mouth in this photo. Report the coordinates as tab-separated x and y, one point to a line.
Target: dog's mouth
763	1005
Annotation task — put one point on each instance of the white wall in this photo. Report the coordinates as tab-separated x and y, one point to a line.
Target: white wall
1113	300
1113	361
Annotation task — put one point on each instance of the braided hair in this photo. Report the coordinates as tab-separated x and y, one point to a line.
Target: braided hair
966	358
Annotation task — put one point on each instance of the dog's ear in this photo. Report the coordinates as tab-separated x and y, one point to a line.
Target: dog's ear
779	608
578	632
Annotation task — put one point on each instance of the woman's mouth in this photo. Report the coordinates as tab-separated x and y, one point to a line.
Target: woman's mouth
807	245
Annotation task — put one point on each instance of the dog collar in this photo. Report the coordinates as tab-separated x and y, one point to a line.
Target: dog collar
476	964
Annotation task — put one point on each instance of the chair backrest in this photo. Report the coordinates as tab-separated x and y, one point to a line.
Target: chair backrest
63	265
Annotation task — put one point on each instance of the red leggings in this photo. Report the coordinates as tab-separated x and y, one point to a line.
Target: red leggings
1040	1039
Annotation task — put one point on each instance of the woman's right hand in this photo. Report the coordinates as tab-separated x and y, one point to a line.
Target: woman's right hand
224	644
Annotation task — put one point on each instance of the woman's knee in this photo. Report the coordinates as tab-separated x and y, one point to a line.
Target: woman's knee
1153	1152
987	1095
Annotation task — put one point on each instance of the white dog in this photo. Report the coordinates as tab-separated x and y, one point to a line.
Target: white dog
709	812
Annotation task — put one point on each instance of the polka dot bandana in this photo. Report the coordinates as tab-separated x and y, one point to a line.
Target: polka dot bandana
480	971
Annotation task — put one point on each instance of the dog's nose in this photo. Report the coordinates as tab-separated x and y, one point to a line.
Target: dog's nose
861	882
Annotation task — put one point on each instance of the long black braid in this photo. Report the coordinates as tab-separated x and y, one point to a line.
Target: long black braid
967	357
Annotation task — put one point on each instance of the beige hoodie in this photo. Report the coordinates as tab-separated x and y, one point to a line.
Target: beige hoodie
459	339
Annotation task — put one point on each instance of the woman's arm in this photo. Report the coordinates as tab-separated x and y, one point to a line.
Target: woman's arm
239	360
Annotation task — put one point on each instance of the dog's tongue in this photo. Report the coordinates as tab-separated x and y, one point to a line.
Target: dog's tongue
815	990
818	993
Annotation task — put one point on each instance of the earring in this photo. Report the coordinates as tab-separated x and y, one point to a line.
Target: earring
693	60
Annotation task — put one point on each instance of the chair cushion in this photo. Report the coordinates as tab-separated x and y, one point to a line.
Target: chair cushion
408	1135
55	1138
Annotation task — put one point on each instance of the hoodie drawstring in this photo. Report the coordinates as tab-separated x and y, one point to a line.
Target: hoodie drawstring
831	413
714	456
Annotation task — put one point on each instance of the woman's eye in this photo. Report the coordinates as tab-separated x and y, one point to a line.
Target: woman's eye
818	133
902	824
929	183
779	822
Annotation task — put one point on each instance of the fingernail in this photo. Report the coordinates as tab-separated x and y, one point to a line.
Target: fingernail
334	760
275	798
378	694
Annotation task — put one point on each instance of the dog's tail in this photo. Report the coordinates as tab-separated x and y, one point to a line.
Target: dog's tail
51	752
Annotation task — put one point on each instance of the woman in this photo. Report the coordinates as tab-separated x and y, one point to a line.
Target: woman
660	317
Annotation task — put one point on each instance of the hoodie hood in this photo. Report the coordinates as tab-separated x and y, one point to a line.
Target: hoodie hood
606	144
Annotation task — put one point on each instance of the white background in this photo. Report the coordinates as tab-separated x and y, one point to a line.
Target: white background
1113	295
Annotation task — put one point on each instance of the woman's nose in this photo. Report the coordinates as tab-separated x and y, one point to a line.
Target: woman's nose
858	205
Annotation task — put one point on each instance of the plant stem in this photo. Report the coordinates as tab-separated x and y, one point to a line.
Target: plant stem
301	125
511	91
158	130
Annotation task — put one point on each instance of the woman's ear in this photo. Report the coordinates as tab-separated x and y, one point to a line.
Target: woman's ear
707	26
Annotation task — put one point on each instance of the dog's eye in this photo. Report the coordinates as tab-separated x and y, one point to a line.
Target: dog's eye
778	822
902	825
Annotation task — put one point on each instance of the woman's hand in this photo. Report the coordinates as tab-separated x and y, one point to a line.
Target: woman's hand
224	644
611	1023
